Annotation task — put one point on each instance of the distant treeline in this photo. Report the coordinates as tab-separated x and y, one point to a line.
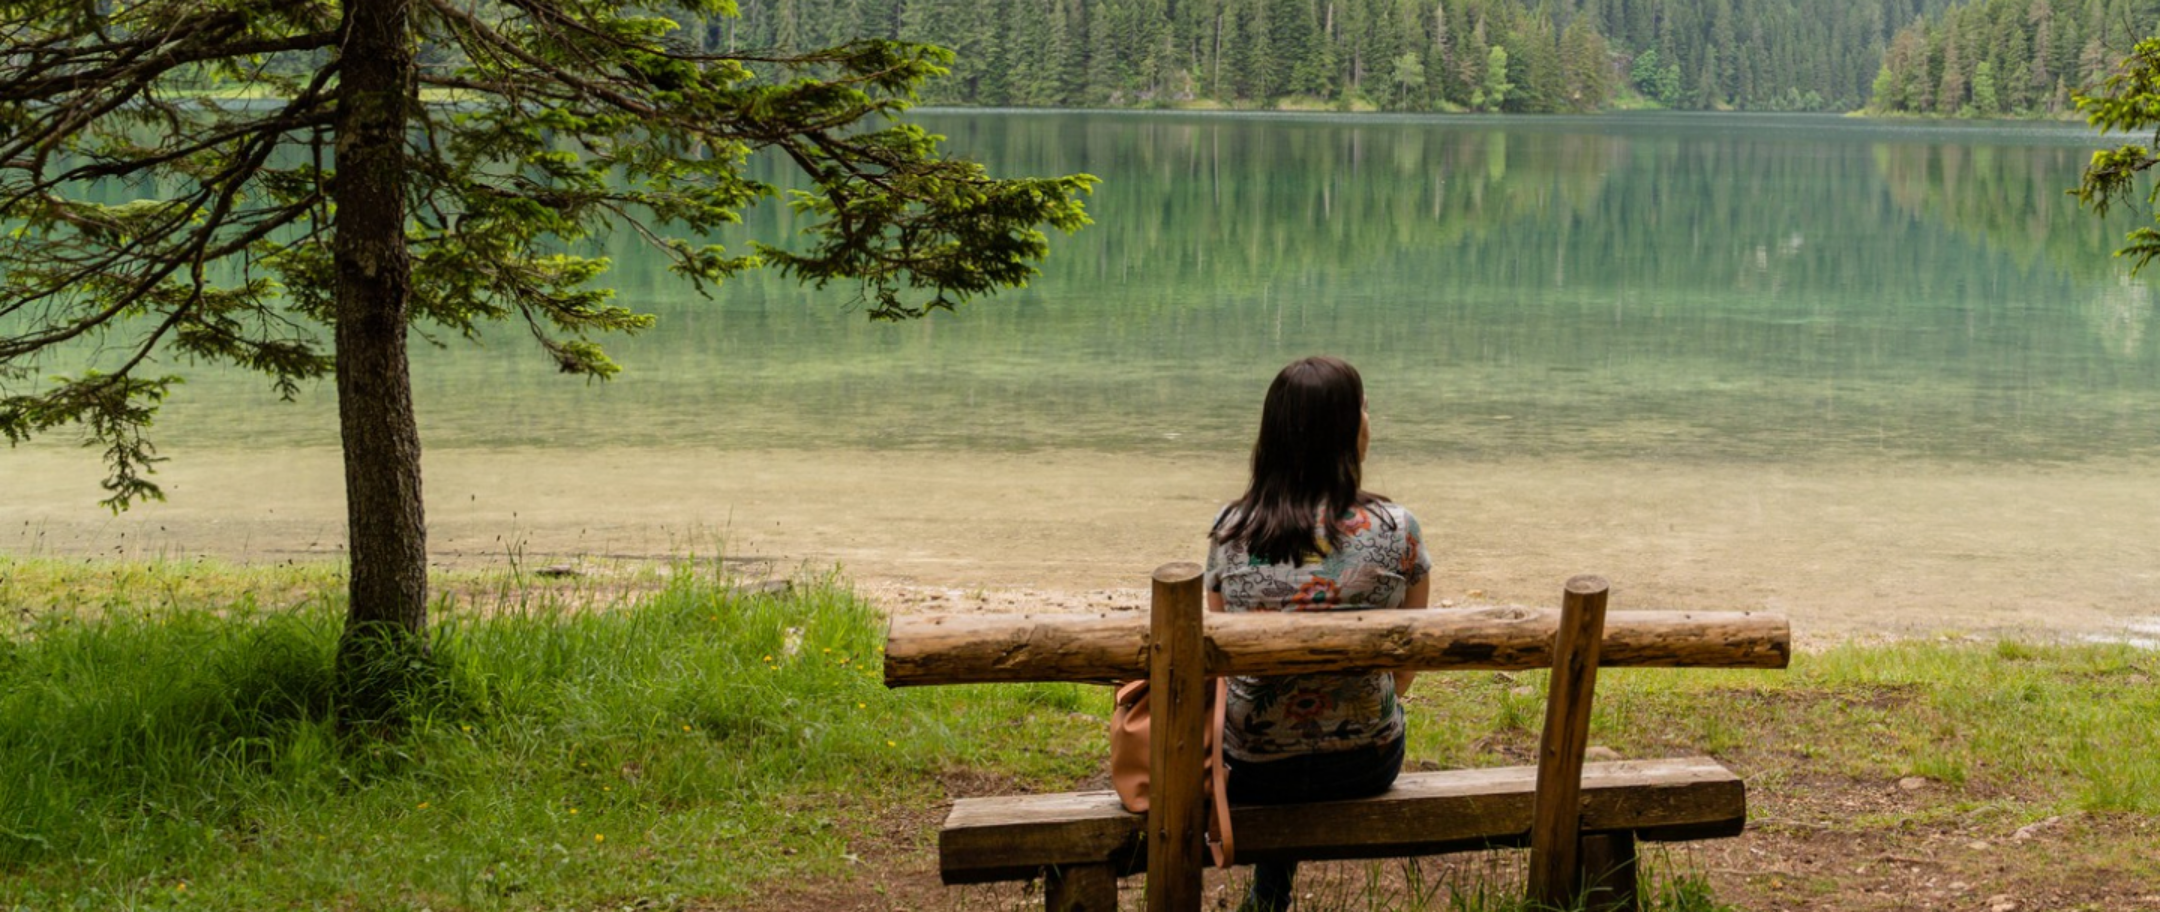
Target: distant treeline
1992	58
1409	55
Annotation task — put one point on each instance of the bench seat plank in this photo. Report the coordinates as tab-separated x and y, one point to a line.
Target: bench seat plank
1014	837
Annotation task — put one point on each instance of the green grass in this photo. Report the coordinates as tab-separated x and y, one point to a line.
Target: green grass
694	743
2068	725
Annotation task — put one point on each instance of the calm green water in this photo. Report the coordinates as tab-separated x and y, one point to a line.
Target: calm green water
1678	288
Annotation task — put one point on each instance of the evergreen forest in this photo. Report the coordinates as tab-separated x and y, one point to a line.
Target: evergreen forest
1987	58
1397	55
1996	58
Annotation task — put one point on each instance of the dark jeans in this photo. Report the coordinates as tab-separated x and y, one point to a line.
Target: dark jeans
1297	780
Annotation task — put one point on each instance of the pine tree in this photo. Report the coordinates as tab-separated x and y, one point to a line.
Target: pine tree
1032	79
311	238
1110	70
1308	58
1497	89
1585	66
1951	93
1471	64
1984	100
1537	49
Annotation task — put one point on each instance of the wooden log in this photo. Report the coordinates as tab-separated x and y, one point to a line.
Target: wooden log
985	648
1177	745
1014	837
1555	863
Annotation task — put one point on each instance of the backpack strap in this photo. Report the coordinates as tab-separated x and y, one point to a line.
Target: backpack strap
1219	839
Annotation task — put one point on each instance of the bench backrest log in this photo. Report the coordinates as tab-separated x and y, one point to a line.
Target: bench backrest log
1179	646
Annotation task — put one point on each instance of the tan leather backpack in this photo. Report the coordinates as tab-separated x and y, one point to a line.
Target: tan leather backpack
1129	760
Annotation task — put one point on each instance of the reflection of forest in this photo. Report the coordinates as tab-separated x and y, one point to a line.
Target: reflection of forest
2011	200
1677	287
1244	199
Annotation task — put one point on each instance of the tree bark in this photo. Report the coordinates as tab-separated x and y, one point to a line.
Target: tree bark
385	525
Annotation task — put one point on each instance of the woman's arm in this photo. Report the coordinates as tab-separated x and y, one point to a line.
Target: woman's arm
1419	595
1215	602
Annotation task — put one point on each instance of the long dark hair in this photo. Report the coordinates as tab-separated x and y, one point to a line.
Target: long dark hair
1305	464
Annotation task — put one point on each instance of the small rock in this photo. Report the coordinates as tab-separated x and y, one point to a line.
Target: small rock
1959	886
1977	845
2033	829
1598	753
773	587
1447	603
1523	691
2001	902
1912	783
1475	593
557	571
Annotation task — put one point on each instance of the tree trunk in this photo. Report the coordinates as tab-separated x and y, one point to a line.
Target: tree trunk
387	534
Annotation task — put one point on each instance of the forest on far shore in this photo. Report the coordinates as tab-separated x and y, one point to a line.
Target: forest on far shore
1995	58
1989	58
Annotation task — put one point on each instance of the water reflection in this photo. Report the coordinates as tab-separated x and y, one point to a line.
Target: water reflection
1675	288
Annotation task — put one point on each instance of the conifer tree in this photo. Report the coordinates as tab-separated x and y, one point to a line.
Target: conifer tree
303	238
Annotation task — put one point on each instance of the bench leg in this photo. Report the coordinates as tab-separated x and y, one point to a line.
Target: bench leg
1608	864
1080	888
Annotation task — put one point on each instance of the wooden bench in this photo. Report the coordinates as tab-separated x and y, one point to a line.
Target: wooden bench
1582	821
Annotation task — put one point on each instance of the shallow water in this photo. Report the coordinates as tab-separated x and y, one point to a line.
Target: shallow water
1883	378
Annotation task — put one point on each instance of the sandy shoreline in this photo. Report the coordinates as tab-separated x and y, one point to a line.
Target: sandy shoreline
1900	550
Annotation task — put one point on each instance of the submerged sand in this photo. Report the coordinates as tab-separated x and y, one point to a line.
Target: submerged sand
1901	549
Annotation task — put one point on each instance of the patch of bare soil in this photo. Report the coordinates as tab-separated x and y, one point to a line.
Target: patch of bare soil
1821	845
1825	845
1815	841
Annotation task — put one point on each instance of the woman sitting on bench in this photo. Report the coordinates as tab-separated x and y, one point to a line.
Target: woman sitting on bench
1306	537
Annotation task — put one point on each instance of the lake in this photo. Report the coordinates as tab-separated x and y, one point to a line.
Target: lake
1883	377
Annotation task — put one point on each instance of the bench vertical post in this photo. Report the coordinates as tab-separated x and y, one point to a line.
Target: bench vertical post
1177	686
1080	888
1608	864
1556	818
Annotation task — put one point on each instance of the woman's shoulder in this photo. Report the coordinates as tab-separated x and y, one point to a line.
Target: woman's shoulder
1224	519
1387	525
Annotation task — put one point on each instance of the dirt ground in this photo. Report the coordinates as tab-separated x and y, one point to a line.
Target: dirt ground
1803	850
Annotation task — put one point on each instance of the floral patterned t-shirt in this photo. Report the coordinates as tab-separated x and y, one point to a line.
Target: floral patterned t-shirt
1381	556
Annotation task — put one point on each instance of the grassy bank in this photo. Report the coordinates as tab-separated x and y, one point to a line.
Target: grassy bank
166	743
691	745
